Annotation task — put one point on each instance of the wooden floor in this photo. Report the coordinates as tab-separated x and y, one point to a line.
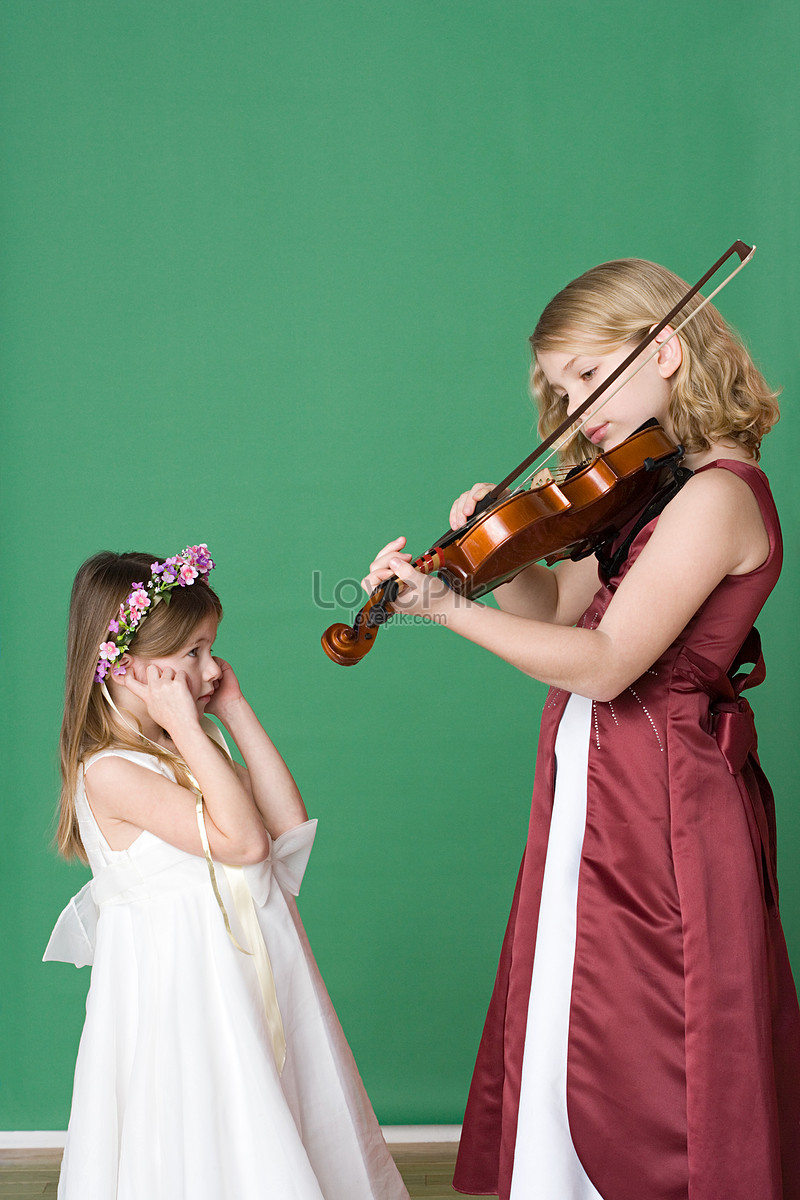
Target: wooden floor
427	1169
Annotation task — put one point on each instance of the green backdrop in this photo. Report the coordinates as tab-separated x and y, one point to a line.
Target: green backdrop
268	274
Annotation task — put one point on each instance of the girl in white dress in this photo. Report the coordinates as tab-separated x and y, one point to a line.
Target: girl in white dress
211	1065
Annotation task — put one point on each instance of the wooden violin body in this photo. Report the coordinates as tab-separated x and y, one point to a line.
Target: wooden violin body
546	523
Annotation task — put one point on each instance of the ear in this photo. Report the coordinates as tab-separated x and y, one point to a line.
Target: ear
122	666
670	353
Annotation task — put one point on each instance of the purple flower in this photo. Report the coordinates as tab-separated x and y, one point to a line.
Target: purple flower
199	557
113	626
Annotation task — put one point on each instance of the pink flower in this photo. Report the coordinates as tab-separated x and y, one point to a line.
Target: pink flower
199	557
139	600
188	573
108	651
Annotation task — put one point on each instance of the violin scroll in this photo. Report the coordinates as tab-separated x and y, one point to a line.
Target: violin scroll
343	645
346	645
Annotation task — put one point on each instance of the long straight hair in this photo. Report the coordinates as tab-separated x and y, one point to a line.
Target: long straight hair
717	391
90	724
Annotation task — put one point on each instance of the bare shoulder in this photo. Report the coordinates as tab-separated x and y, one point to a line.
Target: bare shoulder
717	510
112	775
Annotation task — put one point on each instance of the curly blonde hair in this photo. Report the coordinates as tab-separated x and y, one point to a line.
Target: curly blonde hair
717	392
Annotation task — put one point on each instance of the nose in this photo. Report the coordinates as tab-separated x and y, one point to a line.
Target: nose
574	402
213	670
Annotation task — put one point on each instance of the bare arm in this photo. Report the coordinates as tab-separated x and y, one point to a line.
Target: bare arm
127	798
267	777
712	528
556	594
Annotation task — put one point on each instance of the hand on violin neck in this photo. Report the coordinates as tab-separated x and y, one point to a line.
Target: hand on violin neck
421	595
379	569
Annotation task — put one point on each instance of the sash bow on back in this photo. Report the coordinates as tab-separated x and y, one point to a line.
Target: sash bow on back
733	727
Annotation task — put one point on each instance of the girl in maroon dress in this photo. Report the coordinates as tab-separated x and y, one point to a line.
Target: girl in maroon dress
643	1038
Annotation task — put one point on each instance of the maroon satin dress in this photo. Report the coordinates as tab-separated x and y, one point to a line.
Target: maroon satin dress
683	1067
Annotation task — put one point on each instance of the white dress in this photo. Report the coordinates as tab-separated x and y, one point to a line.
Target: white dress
177	1094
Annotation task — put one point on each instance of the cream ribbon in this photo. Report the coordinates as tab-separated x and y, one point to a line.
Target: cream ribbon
245	910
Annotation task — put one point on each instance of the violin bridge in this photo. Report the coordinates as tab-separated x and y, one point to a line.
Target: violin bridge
542	478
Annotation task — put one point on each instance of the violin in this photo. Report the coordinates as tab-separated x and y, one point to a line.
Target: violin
551	520
548	522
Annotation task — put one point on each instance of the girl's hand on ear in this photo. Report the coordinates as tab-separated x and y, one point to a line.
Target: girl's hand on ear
227	692
166	694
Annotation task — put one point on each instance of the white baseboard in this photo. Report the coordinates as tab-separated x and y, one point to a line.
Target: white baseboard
396	1134
44	1139
32	1139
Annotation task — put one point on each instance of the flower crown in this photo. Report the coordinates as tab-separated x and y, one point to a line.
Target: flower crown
180	571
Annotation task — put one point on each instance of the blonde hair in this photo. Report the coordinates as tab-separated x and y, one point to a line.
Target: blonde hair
89	724
717	391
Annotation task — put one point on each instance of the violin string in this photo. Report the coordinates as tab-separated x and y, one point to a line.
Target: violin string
568	437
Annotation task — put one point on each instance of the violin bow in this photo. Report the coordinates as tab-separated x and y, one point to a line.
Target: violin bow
744	252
